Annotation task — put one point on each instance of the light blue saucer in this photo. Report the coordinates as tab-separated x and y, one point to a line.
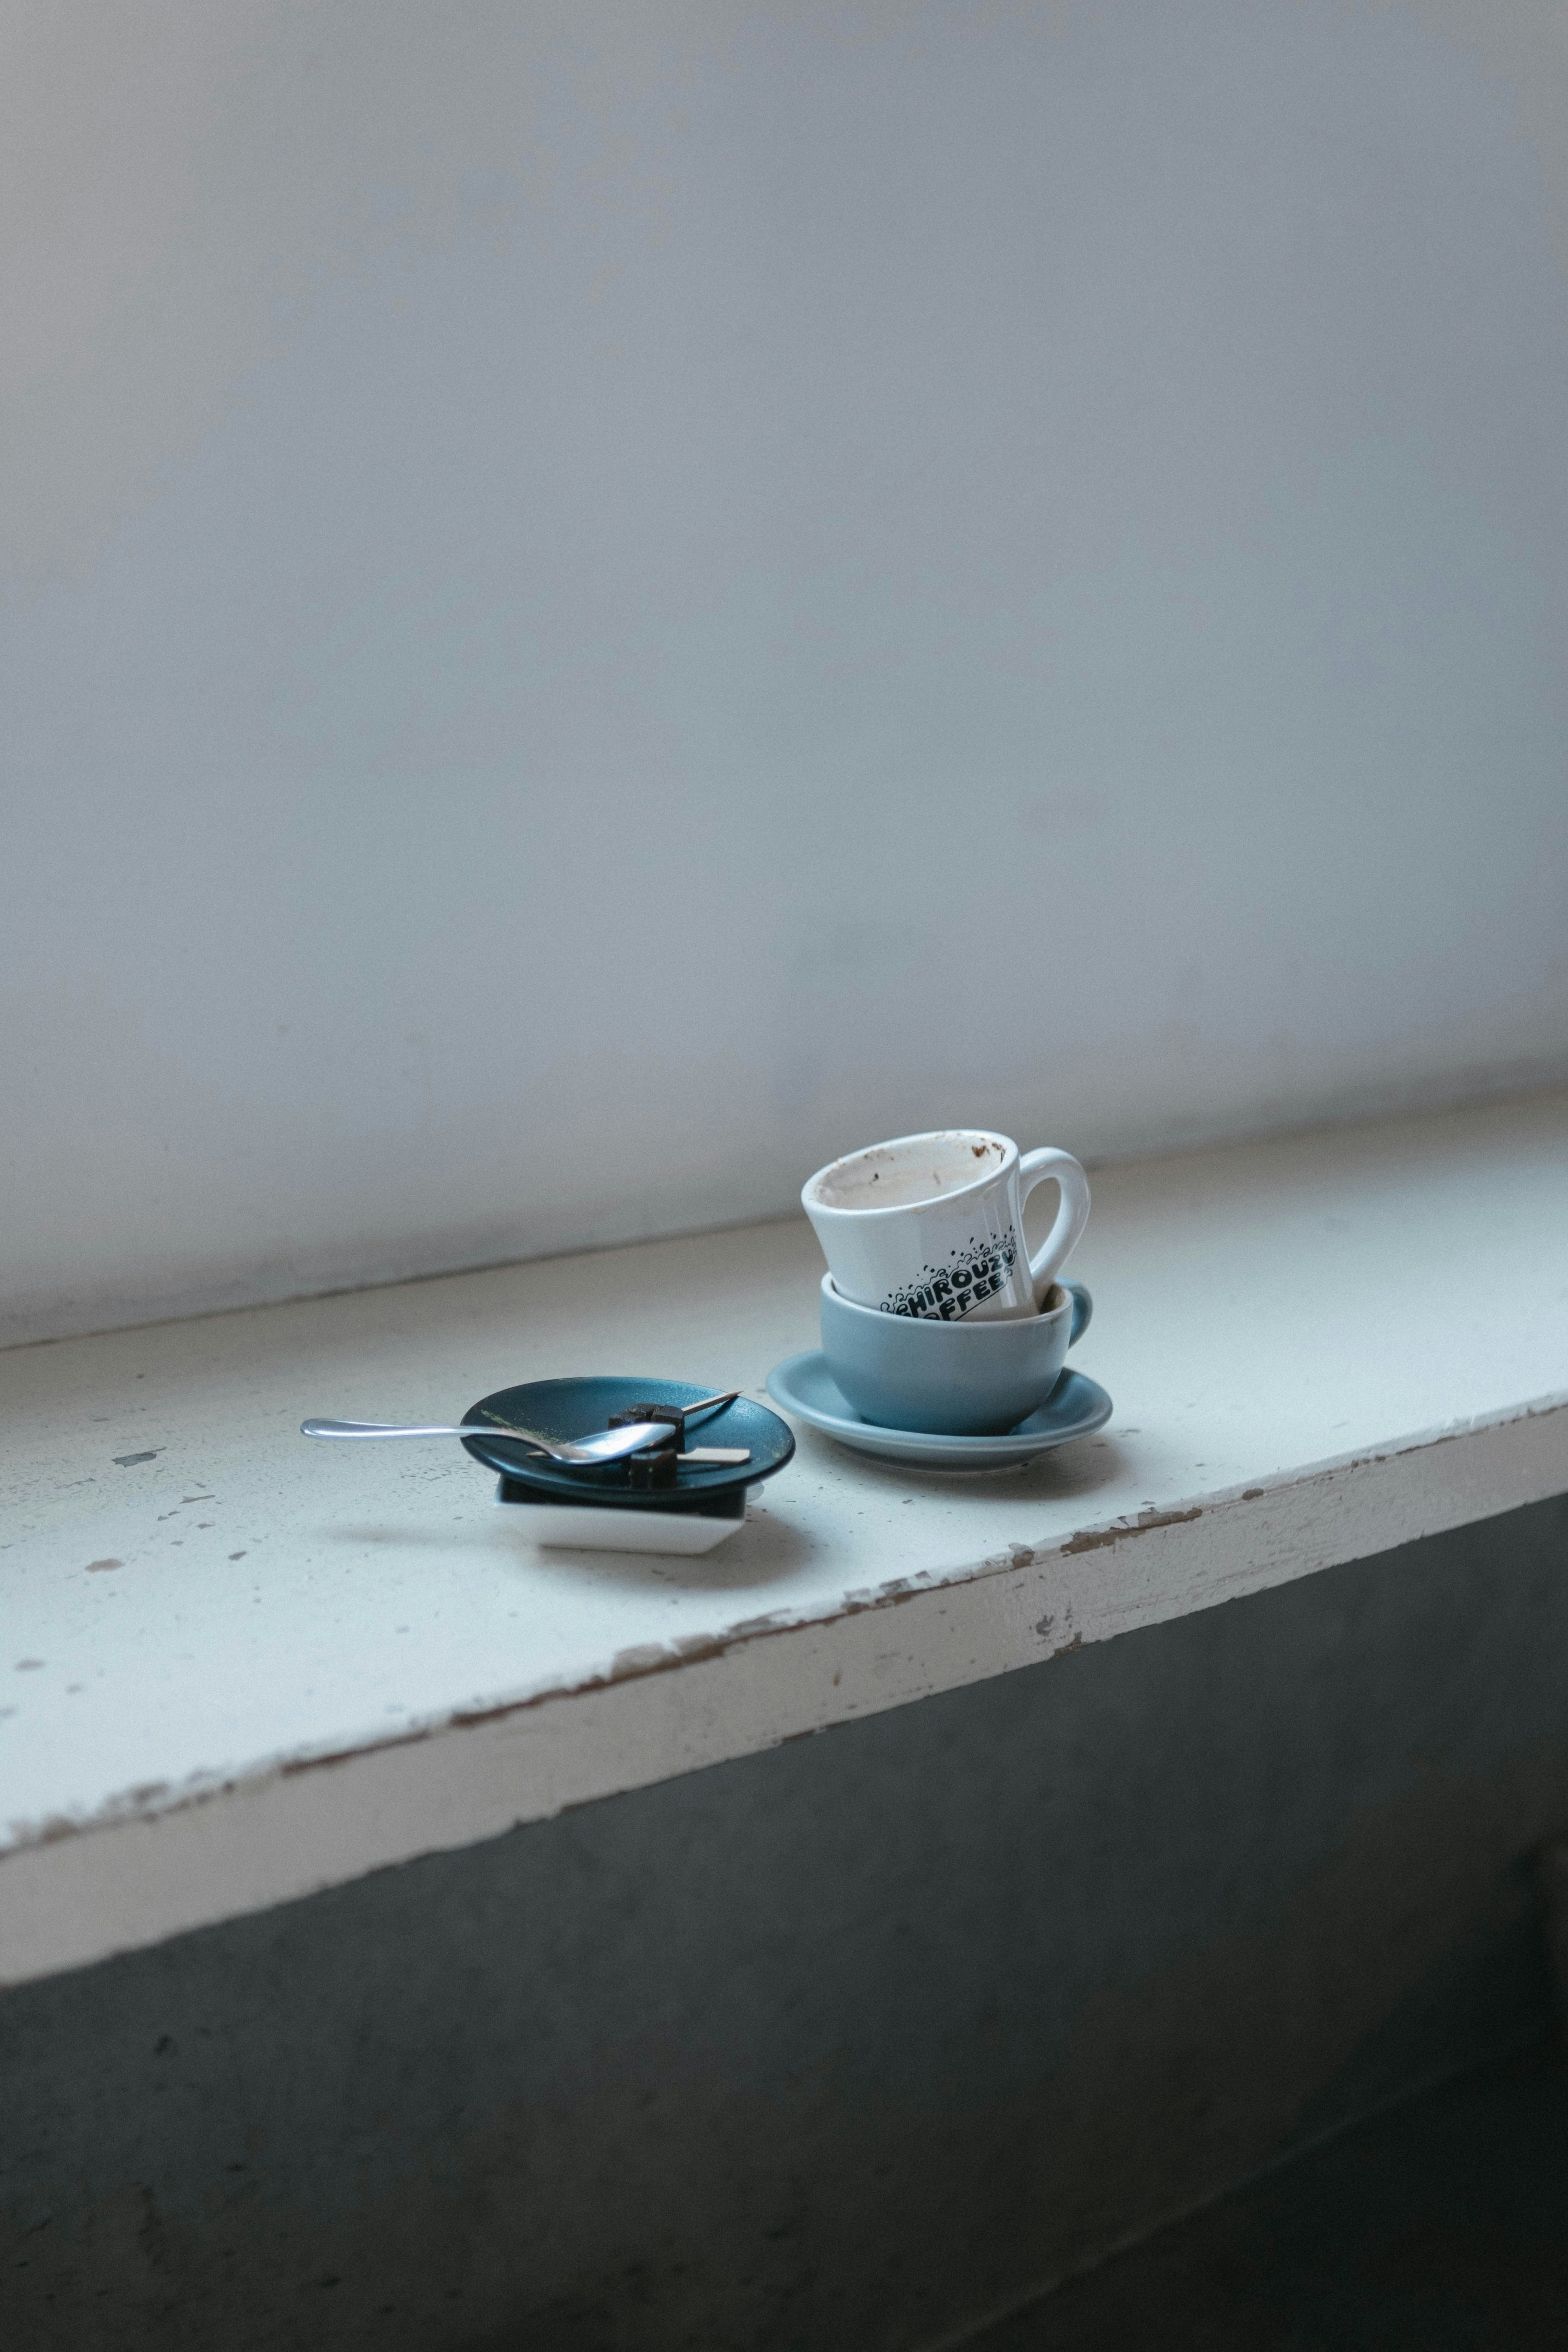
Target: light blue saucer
803	1386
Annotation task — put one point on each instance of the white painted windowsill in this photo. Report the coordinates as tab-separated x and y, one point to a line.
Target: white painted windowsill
312	1661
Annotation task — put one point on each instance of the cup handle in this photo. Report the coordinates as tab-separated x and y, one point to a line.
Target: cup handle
1071	1217
1082	1309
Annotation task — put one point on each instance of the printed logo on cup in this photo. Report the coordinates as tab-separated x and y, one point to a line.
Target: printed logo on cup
979	1270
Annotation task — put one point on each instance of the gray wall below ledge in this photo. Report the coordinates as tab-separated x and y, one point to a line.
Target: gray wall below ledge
845	2046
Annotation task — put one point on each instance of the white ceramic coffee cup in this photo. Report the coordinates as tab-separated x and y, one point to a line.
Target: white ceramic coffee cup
932	1225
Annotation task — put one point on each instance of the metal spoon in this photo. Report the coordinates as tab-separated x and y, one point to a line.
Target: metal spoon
608	1445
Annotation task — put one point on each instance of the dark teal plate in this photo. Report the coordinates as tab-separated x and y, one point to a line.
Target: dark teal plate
570	1409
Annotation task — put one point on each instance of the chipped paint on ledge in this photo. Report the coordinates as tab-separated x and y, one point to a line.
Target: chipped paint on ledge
1243	1548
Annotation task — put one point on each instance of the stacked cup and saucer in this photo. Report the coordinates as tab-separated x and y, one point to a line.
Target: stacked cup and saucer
944	1342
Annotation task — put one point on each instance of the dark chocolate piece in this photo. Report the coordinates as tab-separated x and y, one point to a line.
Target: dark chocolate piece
671	1416
653	1468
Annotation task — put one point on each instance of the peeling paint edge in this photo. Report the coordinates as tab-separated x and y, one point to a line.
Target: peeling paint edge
154	1800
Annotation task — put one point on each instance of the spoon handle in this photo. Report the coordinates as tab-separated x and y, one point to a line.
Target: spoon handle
393	1429
605	1445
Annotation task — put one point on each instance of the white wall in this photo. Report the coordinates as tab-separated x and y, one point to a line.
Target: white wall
610	600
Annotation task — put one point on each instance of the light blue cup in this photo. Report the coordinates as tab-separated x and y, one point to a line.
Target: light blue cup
965	1379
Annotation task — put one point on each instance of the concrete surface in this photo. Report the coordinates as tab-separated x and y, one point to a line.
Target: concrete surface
1441	2226
847	2045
